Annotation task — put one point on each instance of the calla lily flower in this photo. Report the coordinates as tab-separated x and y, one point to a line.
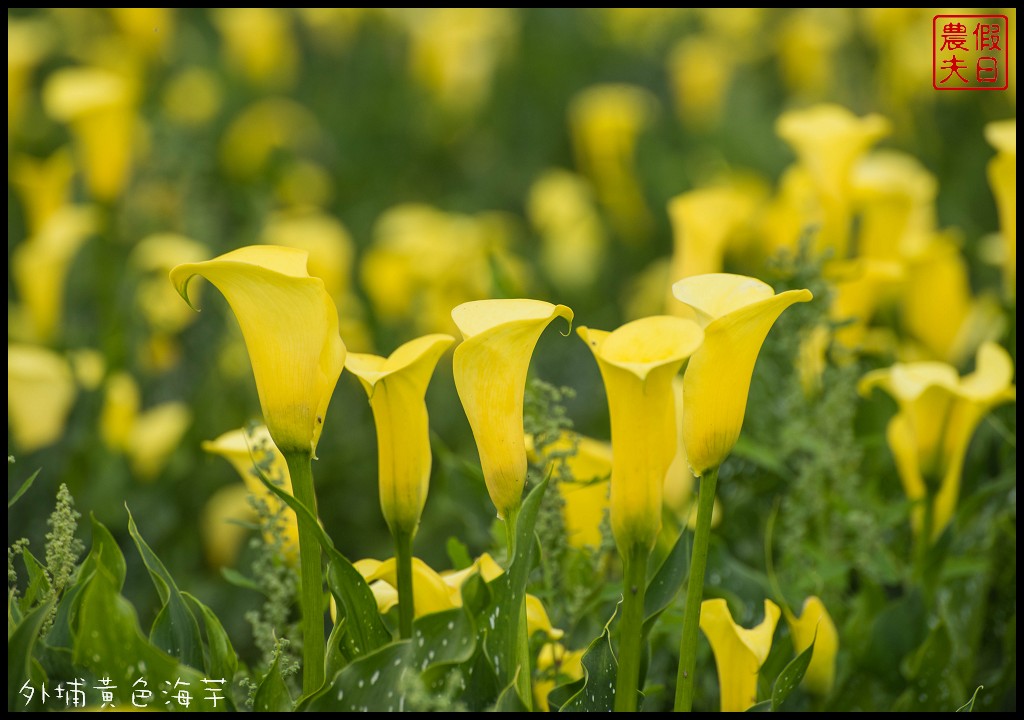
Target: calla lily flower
258	42
895	196
396	387
1002	176
40	393
219	526
739	652
736	313
252	448
42	185
938	413
815	625
490	375
679	493
638	362
556	666
828	141
703	223
290	328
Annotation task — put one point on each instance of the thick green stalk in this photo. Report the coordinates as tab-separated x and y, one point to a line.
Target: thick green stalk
695	592
406	607
524	682
311	590
634	587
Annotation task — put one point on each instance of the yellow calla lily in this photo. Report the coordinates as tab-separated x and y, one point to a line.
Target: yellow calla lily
736	313
859	287
259	43
679	495
490	368
1002	176
431	593
252	448
219	526
556	665
537	619
586	494
290	328
42	185
40	393
739	652
828	141
895	195
98	106
938	413
638	362
396	387
815	625
28	43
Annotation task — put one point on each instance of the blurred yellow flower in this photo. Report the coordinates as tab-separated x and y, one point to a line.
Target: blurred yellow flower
40	393
815	625
268	125
396	386
192	96
259	43
250	452
43	185
700	95
860	286
930	434
574	243
828	141
40	266
606	122
586	495
637	363
1002	176
153	257
736	313
895	197
739	652
290	328
99	107
807	40
28	43
556	666
220	528
148	30
790	213
490	368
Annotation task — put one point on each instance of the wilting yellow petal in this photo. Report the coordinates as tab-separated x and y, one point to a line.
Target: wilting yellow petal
98	106
490	368
637	363
290	326
737	312
815	625
1002	176
40	266
155	435
739	652
259	43
431	594
218	525
40	393
828	140
556	666
247	449
396	387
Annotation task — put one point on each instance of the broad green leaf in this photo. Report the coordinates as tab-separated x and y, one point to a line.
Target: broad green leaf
898	628
599	675
38	582
458	553
791	676
667	580
336	655
763	706
508	701
272	694
221	660
933	683
23	489
175	629
969	705
20	645
398	676
239	580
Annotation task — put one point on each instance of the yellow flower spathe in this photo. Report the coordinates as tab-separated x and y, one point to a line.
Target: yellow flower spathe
637	363
430	591
1002	176
290	326
556	665
739	652
396	386
815	625
938	413
43	185
259	42
490	368
736	313
247	450
40	393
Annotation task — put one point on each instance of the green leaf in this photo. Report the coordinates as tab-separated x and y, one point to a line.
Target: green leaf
763	706
38	581
220	658
933	679
337	658
20	645
354	597
272	694
969	705
175	629
599	676
23	489
791	676
509	591
508	701
239	580
667	580
458	553
395	676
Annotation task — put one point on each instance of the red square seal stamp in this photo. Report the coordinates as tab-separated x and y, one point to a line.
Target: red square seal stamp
970	52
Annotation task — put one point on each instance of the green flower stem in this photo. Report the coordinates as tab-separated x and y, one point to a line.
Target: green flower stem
923	545
311	597
406	606
695	592
634	587
522	659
